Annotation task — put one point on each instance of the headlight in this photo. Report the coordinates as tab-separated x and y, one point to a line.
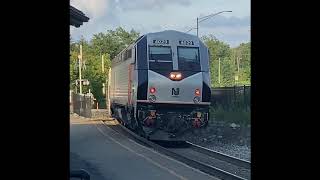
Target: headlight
176	76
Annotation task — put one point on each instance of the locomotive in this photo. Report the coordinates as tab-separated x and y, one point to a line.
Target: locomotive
159	86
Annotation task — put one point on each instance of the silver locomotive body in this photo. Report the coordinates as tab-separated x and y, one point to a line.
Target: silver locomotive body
161	83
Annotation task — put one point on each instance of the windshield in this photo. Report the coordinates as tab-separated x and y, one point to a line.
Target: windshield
160	58
160	53
188	58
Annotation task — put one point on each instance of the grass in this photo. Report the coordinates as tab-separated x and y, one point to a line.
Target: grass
238	115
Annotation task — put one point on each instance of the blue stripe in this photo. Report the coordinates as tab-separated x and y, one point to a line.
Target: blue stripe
142	68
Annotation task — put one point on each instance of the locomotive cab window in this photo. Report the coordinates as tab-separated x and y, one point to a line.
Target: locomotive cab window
160	57
188	58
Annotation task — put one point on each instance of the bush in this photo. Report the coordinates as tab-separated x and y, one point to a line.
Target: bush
240	116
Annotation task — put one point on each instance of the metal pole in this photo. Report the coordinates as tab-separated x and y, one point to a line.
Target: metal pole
244	95
238	62
197	27
108	83
219	72
80	64
205	18
102	64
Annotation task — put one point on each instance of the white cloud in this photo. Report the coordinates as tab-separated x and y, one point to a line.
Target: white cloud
92	8
220	20
231	35
156	15
149	4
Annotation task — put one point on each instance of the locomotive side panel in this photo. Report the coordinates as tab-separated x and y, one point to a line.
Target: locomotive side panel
121	87
205	56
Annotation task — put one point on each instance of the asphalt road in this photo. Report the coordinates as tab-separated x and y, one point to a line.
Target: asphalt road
107	155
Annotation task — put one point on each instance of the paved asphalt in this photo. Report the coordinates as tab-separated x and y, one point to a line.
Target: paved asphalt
107	155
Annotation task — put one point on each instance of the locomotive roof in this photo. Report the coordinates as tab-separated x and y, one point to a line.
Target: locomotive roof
170	33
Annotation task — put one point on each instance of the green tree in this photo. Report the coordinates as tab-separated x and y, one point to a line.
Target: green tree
219	49
242	55
229	59
227	72
108	44
113	41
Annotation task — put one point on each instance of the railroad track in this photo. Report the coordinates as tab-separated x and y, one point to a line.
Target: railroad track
211	162
221	156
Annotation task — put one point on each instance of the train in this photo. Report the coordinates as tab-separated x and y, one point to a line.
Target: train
159	86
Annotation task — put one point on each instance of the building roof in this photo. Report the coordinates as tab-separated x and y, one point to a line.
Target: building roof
77	17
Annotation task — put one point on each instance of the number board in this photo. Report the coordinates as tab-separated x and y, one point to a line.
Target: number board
186	42
159	41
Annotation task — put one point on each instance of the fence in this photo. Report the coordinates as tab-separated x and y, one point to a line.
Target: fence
237	97
231	97
82	105
101	104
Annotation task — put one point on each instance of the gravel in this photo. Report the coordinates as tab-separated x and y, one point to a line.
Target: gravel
96	114
99	113
231	168
241	152
230	139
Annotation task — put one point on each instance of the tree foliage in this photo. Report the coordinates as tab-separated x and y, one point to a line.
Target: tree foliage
112	42
229	60
108	44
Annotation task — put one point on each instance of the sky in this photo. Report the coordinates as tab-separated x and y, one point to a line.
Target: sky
147	16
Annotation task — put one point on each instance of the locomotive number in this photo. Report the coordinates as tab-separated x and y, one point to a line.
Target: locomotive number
186	42
157	41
